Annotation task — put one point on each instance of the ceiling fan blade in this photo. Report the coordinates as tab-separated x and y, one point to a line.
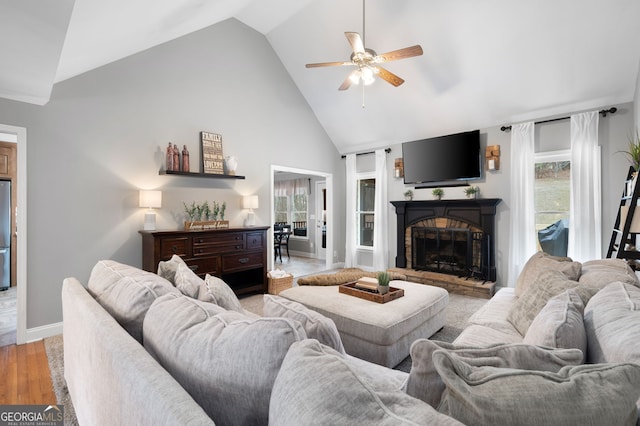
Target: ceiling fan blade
347	81
355	41
328	64
407	52
389	77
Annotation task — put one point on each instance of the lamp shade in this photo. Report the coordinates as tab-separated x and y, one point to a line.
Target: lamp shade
151	199
250	202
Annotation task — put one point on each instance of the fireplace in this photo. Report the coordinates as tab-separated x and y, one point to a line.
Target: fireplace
453	237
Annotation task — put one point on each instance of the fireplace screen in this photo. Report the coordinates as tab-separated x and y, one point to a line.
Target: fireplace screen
453	251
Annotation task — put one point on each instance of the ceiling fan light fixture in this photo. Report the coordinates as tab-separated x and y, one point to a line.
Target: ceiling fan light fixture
355	76
367	76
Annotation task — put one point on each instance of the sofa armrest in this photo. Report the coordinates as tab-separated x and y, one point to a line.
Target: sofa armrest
111	378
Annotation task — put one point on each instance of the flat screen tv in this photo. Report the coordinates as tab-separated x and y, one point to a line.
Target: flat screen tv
444	160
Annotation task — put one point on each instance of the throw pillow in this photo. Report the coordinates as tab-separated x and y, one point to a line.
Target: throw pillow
612	322
525	308
126	292
216	291
167	269
187	281
602	272
540	262
317	386
559	324
595	394
227	361
316	325
426	384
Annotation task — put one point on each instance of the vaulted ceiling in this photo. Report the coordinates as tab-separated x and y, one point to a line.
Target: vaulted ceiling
485	63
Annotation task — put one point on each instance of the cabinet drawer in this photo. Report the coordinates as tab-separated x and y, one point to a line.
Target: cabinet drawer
206	265
225	243
202	250
241	261
171	246
221	239
255	240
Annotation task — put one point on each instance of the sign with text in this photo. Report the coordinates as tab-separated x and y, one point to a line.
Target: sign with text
212	158
31	415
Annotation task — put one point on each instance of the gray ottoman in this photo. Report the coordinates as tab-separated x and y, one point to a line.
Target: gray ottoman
378	332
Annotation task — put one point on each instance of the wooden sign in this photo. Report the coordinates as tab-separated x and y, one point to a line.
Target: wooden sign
212	158
493	157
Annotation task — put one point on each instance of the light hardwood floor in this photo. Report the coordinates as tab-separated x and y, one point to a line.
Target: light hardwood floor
24	375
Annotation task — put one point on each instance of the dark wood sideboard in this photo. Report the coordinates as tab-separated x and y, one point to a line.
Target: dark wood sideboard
236	255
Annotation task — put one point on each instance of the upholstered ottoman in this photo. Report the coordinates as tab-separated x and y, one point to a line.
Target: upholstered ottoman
378	332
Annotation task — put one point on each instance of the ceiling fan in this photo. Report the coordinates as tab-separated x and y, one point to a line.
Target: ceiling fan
367	60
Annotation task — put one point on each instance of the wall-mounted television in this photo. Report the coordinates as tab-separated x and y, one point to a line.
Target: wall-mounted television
443	161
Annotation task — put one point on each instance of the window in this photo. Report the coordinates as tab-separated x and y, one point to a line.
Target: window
281	207
291	205
365	209
552	189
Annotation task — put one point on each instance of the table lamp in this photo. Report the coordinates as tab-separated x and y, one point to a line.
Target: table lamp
150	200
250	202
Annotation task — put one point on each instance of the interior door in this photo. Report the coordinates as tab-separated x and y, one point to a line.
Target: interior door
321	221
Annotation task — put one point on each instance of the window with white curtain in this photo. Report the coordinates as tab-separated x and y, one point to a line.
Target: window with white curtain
552	200
366	208
291	205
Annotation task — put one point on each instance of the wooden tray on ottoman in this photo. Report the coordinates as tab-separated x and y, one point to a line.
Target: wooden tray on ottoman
351	290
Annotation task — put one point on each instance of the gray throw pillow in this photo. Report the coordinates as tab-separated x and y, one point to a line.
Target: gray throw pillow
167	268
541	262
316	325
126	292
425	382
227	361
214	290
559	324
525	308
317	386
588	394
187	281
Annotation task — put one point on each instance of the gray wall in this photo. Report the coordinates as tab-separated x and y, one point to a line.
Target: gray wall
102	137
613	136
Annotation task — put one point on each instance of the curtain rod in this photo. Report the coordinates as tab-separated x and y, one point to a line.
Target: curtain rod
387	150
604	113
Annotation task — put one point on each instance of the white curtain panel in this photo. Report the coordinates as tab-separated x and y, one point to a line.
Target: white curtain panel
350	214
585	228
522	226
381	211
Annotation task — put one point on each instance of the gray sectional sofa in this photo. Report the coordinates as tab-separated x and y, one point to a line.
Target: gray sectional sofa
170	348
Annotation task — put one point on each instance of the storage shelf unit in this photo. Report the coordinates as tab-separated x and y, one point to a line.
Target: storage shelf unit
624	236
200	175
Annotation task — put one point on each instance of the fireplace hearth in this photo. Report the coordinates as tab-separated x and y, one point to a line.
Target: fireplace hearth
454	237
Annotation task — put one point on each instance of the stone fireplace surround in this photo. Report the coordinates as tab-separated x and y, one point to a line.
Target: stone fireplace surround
477	215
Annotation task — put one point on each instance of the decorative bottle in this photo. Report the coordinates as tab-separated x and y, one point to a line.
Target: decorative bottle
176	158
185	159
169	165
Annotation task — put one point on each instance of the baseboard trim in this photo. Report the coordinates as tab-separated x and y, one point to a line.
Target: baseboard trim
39	333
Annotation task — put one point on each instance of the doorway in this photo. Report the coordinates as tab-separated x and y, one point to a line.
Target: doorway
309	261
14	144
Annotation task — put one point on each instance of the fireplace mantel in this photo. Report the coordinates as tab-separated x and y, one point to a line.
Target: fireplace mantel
477	212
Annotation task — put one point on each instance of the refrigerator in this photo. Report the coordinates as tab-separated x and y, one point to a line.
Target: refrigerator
5	234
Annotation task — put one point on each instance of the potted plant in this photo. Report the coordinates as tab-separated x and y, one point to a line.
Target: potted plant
437	193
633	153
471	191
408	195
383	282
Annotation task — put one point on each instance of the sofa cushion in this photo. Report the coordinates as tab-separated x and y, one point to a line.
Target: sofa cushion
316	385
426	384
216	291
525	308
559	324
601	272
316	325
167	268
540	262
126	292
187	281
612	322
225	360
597	394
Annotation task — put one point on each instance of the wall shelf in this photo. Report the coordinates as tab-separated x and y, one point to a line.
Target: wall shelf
199	174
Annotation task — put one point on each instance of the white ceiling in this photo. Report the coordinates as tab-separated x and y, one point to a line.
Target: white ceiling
485	63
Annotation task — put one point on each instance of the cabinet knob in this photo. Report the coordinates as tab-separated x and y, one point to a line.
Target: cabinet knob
174	249
193	267
238	247
243	260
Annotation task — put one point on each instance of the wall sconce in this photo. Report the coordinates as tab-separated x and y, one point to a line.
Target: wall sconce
493	157
398	168
150	200
250	202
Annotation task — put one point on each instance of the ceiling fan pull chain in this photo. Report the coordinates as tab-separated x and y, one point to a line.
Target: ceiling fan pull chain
363	96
